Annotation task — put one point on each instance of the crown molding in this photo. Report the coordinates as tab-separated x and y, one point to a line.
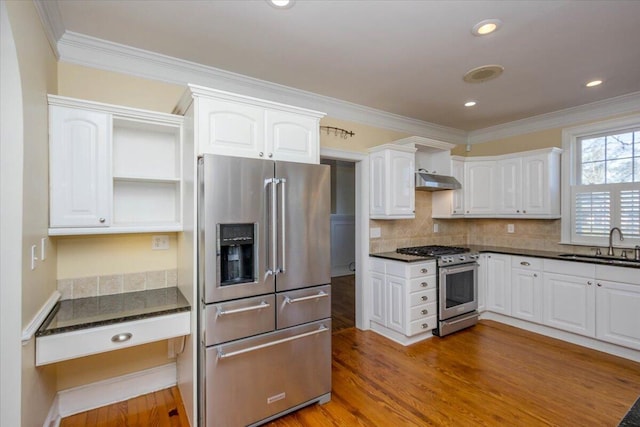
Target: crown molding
52	22
598	110
96	53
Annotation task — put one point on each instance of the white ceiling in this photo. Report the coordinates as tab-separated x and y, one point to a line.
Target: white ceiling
402	57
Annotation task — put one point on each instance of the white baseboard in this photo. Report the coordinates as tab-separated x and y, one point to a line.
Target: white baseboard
101	393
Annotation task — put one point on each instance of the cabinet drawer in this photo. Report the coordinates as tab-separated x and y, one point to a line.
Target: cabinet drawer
84	342
422	269
302	306
526	263
423	325
570	268
239	319
422	311
423	297
422	283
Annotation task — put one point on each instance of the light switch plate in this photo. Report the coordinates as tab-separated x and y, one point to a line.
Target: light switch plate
375	232
511	228
436	228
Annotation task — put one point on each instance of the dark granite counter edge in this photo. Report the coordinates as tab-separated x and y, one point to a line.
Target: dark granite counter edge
632	419
506	251
46	332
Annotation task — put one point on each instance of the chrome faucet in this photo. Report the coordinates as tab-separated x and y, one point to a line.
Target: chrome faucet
610	251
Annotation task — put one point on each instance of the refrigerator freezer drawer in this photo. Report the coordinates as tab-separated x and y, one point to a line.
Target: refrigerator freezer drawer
303	306
253	379
239	319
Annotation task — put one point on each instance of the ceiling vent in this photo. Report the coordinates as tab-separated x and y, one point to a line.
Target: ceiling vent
482	74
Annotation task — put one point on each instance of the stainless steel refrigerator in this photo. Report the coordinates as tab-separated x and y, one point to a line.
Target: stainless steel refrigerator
264	284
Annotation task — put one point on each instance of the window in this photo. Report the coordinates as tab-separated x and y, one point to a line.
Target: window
602	179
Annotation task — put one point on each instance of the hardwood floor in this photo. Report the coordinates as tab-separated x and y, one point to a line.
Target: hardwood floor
488	375
343	305
162	408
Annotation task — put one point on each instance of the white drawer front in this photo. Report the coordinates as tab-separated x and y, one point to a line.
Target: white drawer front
423	325
422	311
422	283
422	269
84	342
424	297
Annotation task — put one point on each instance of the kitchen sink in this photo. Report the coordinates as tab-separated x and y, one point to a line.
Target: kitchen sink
601	259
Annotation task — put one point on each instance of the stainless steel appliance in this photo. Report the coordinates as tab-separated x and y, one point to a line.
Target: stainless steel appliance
264	281
457	285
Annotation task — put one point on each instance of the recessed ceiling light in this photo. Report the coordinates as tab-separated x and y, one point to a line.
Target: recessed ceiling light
281	4
470	103
485	27
594	83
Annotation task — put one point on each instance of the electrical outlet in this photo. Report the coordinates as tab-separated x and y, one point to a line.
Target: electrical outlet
34	258
436	228
511	228
159	243
375	232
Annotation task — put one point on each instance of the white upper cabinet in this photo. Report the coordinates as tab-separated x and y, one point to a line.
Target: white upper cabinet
479	180
392	182
242	126
519	185
113	169
450	203
79	170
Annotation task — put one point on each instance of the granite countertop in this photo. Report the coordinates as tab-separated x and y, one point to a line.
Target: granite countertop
619	262
632	419
82	313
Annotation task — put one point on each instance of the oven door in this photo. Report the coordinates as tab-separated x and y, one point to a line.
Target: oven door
457	289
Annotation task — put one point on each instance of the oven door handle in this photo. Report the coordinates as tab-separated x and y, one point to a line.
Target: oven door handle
459	267
223	355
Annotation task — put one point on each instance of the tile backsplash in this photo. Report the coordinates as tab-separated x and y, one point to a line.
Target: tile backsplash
82	287
528	233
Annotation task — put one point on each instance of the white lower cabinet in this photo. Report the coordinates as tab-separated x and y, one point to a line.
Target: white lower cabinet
526	288
618	306
403	298
498	285
569	300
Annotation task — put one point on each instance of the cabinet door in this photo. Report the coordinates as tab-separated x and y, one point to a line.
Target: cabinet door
509	187
536	192
618	313
80	168
377	193
401	196
569	303
292	137
229	128
482	282
396	303
457	202
479	185
378	298
526	295
498	284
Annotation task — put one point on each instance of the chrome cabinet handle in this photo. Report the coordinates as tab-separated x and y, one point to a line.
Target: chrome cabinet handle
525	263
424	270
535	275
123	337
261	154
425	298
321	294
599	285
270	155
223	355
102	220
589	283
222	312
424	284
425	325
424	312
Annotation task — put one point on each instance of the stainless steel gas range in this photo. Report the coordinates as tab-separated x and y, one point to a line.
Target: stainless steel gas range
457	285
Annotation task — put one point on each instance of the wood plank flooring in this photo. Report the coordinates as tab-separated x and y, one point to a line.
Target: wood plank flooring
163	408
343	305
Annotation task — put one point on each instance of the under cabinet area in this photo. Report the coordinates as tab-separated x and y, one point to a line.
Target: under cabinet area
242	126
404	299
113	169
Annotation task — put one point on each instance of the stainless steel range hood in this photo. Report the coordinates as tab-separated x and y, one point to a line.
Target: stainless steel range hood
426	181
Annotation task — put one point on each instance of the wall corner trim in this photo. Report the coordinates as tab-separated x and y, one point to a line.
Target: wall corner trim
29	331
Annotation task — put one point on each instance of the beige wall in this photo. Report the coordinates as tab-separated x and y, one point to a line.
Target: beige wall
531	141
37	66
365	136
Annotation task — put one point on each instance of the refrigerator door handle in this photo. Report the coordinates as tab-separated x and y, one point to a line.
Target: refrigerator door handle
283	227
272	246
